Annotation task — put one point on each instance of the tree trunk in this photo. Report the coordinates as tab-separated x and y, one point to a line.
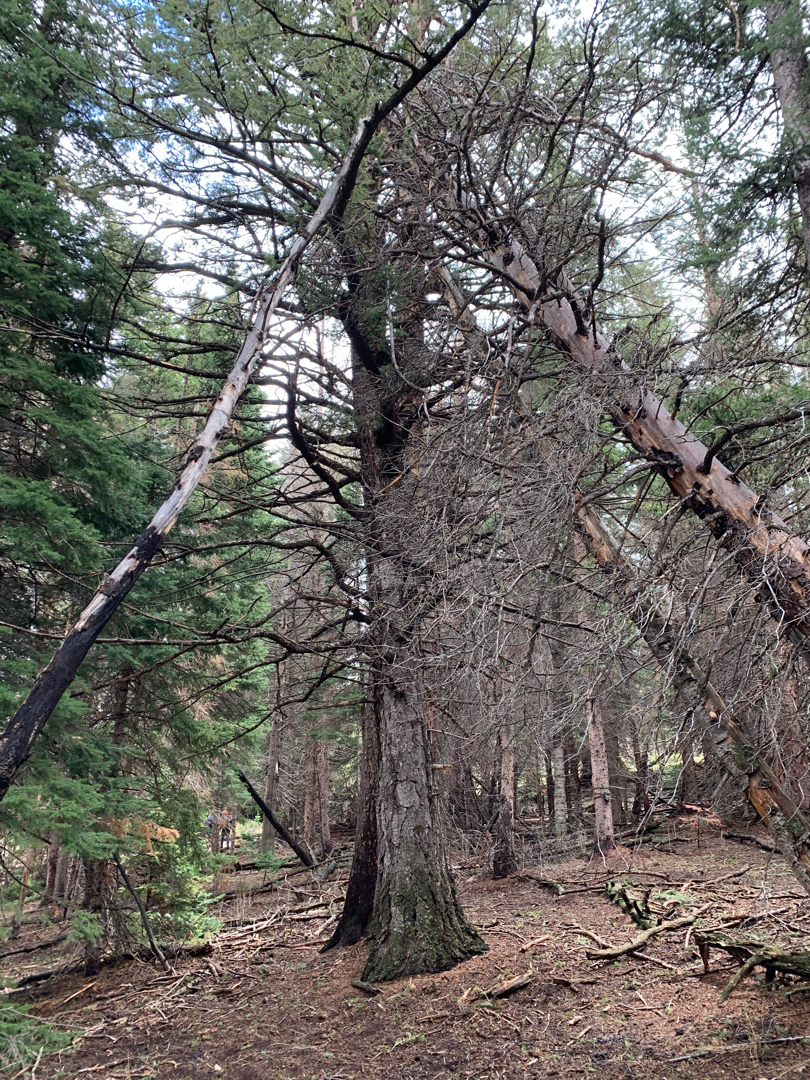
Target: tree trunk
61	880
789	69
538	785
550	799
17	918
616	771
268	838
504	861
418	925
602	795
96	901
573	785
323	796
360	890
51	865
787	824
560	804
310	794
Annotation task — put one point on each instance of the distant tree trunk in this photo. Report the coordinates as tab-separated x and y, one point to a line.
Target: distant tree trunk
51	864
60	885
323	796
268	838
550	797
17	918
560	804
616	770
573	782
685	790
310	794
600	779
641	801
96	901
504	861
786	45
538	785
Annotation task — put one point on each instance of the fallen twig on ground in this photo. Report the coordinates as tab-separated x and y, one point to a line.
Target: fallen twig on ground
643	938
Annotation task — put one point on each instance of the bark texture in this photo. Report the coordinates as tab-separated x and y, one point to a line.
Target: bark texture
418	925
604	840
362	884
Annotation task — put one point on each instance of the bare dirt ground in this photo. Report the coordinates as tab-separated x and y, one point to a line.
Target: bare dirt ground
265	1004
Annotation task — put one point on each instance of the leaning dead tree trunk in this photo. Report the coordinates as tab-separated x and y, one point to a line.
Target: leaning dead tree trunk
769	554
788	826
304	856
17	740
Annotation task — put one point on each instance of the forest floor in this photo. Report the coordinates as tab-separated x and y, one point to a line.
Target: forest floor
265	1004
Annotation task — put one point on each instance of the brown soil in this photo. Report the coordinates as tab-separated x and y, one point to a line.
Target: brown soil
267	1005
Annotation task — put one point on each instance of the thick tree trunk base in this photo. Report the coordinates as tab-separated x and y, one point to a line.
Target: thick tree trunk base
423	928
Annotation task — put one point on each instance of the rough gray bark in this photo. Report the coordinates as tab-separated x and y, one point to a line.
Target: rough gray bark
362	884
788	58
418	924
787	824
